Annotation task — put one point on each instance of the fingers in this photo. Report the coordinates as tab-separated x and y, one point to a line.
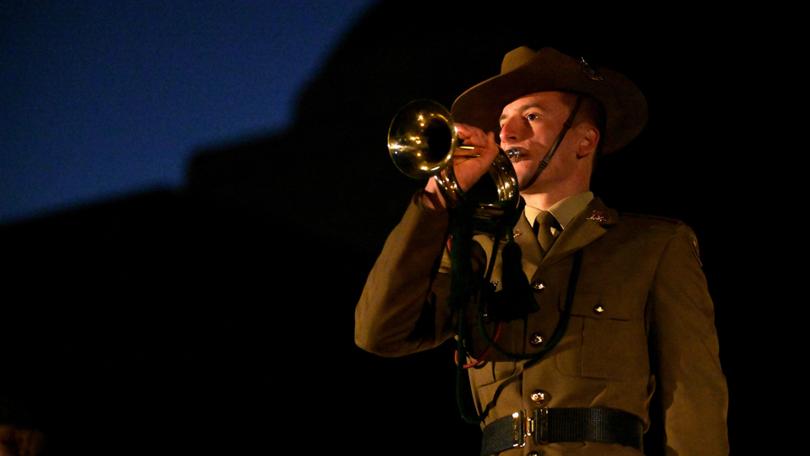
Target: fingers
460	155
476	142
20	442
469	163
471	135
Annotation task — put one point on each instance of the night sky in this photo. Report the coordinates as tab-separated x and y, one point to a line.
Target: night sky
107	98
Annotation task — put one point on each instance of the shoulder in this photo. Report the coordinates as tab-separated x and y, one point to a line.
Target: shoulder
665	229
649	218
647	228
653	222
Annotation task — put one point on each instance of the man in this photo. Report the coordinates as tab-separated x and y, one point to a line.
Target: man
621	308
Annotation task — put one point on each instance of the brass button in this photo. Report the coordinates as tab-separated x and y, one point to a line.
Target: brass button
535	453
598	309
540	397
536	339
539	286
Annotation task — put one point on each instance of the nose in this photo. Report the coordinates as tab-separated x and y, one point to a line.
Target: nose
512	129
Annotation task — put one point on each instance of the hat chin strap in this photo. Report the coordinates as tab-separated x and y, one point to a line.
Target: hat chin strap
544	163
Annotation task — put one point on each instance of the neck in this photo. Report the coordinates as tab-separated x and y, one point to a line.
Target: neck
545	198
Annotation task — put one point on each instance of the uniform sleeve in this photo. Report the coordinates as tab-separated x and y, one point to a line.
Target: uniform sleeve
693	391
403	307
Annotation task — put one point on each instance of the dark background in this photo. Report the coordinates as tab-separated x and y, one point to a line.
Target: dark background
218	316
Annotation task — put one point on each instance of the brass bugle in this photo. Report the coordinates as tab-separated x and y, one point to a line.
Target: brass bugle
422	141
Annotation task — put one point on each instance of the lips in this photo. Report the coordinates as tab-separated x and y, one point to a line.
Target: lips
515	153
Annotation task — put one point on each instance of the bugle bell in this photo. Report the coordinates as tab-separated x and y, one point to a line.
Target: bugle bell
421	142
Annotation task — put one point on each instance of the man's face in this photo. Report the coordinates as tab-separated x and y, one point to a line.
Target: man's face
531	124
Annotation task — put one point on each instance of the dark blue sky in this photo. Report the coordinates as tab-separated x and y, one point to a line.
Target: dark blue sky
102	98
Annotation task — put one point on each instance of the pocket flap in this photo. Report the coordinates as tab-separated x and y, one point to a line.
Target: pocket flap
603	306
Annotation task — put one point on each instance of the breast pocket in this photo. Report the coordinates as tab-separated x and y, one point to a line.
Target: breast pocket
606	338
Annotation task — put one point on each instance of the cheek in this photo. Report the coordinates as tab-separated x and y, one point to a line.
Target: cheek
542	137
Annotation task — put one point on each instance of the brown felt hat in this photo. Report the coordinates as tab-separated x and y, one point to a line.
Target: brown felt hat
525	71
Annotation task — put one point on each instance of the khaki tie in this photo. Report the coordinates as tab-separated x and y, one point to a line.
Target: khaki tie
546	228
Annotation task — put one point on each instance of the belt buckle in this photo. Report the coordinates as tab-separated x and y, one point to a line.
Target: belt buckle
522	427
541	425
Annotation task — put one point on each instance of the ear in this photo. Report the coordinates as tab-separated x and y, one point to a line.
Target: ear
589	138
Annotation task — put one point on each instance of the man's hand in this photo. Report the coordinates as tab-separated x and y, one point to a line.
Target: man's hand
467	167
15	441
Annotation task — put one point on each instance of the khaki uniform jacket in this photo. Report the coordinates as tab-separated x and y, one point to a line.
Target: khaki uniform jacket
642	321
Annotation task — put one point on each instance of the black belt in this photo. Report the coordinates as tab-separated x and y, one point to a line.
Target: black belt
562	425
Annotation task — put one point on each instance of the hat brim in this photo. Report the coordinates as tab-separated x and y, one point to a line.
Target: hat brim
550	70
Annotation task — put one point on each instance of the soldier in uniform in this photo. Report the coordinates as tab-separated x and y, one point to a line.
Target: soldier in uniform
620	308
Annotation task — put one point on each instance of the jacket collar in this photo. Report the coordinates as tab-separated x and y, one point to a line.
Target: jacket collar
586	227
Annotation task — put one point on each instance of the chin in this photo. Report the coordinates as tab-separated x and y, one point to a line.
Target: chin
524	173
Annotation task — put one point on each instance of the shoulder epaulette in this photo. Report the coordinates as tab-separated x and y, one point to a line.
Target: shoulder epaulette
673	221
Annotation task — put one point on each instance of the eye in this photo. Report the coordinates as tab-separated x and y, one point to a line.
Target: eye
532	116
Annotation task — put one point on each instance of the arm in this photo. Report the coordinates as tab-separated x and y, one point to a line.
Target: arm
403	307
692	388
398	293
